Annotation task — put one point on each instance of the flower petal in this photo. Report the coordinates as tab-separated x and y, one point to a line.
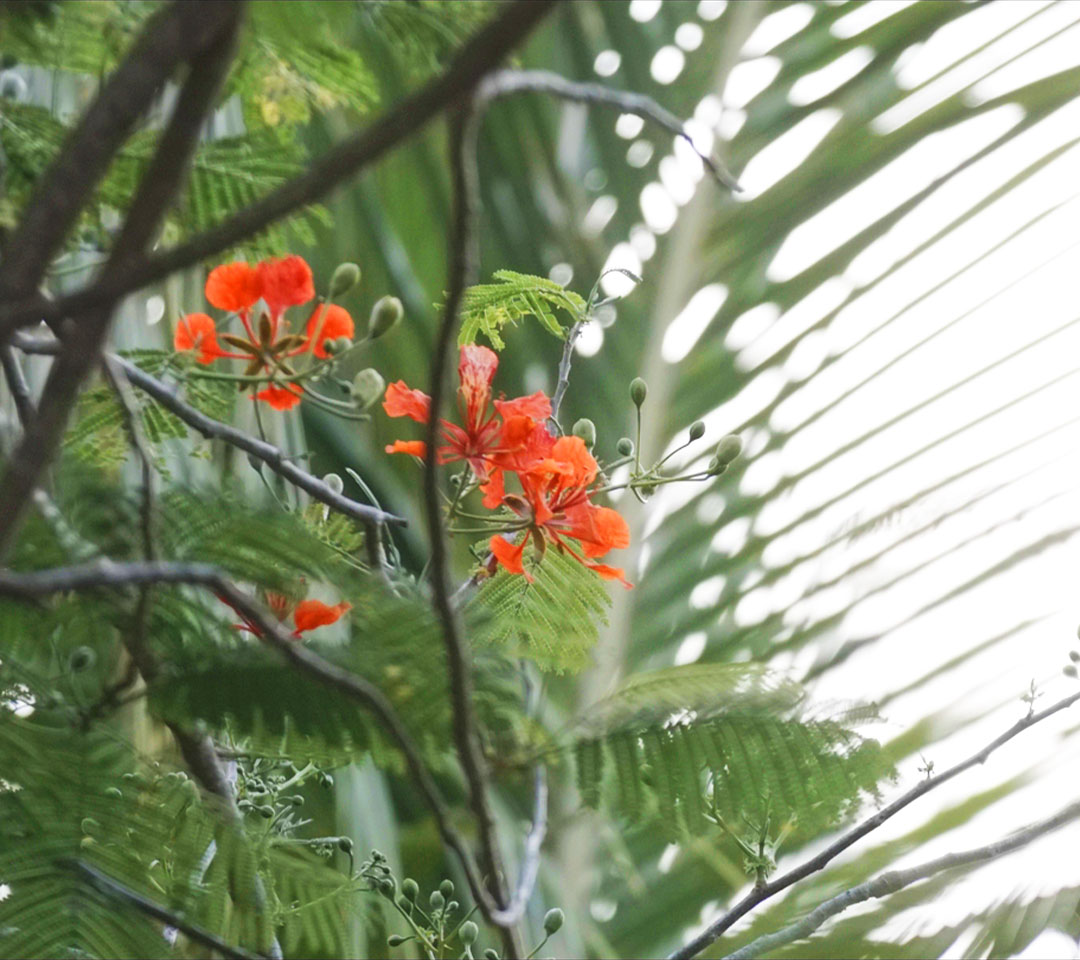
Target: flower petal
401	401
328	322
510	555
285	283
196	331
233	286
610	573
415	447
312	614
536	405
572	451
493	490
280	398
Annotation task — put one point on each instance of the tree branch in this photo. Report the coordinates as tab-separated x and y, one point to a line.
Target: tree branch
215	23
108	574
895	880
759	894
480	54
118	891
275	458
505	83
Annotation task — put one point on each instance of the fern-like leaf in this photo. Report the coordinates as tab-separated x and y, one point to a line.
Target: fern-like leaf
487	308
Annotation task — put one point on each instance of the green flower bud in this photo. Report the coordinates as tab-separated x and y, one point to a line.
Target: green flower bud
386	885
385	315
82	658
345	277
297	800
446	888
337	346
368	387
334	482
586	429
266	811
114	793
553	921
697	430
410	889
468	933
715	467
646	490
638	389
437	900
345	845
394	940
728	449
1074	656
625	447
490	954
452	906
1069	670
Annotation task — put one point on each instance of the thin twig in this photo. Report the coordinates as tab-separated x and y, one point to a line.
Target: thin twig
273	457
16	381
486	49
505	83
564	369
759	894
894	880
118	891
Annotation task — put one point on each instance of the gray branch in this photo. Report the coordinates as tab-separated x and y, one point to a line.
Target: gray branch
759	894
894	880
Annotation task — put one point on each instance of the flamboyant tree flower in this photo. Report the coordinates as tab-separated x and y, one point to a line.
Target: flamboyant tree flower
480	438
279	284
306	614
555	476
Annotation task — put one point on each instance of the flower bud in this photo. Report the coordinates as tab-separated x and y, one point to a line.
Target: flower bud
715	467
586	430
386	885
266	811
446	888
468	933
297	800
395	940
345	277
334	482
728	449
625	447
1069	670
410	889
345	845
437	900
1074	656
646	490
368	387
490	954
337	346
113	793
553	921
452	906
638	389
697	430
386	313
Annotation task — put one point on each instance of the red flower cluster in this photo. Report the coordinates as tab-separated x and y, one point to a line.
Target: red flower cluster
554	474
280	284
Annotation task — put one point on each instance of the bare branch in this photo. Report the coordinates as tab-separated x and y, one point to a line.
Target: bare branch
275	458
896	880
118	891
564	368
485	50
16	381
759	894
505	83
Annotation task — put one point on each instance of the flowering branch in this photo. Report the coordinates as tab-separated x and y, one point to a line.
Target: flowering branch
480	54
273	457
767	890
894	880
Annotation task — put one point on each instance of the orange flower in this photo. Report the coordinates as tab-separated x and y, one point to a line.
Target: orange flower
196	331
328	322
478	441
280	398
415	447
233	286
285	283
555	501
307	614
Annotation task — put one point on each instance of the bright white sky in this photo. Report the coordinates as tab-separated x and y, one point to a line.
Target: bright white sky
958	347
